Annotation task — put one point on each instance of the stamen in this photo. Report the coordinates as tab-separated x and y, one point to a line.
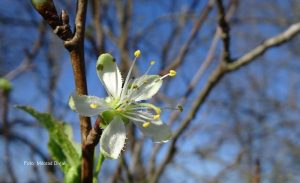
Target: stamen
151	106
125	87
171	73
149	68
93	106
158	110
179	108
133	118
146	125
156	117
141	115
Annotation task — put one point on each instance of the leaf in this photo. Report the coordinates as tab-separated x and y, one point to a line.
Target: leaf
73	175
60	146
57	154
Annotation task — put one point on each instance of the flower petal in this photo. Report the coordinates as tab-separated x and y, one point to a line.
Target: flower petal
87	105
147	86
113	138
157	131
109	74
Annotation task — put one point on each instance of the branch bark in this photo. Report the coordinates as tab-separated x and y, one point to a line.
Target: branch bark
76	50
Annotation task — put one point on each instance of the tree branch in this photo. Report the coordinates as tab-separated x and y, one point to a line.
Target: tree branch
74	43
222	69
287	35
224	27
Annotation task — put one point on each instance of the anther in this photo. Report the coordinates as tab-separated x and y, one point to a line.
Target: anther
120	110
172	73
137	53
146	124
93	105
156	117
157	110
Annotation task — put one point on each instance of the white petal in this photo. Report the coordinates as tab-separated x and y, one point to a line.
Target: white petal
82	104
148	85
109	74
157	131
113	138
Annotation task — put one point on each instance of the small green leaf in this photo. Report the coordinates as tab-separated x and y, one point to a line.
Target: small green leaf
57	134
58	155
73	175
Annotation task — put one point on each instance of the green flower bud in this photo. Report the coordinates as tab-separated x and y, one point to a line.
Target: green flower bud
5	85
47	9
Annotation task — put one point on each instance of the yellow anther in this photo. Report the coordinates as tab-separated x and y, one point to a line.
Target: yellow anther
157	110
156	117
93	105
137	53
120	110
146	124
172	73
152	62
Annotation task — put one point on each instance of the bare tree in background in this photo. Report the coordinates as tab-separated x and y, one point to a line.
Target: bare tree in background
239	122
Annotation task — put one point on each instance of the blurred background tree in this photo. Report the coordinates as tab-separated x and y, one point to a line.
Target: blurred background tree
246	130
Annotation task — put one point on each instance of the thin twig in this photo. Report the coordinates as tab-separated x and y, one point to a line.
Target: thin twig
185	48
4	101
287	35
26	63
224	27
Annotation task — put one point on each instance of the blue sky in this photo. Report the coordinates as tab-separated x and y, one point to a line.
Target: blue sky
212	122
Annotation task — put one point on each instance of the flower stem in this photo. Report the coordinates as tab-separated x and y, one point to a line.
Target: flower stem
101	159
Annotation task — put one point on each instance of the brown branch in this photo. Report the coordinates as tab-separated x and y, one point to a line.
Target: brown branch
98	42
257	172
74	43
4	102
60	24
76	49
95	134
78	37
224	27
